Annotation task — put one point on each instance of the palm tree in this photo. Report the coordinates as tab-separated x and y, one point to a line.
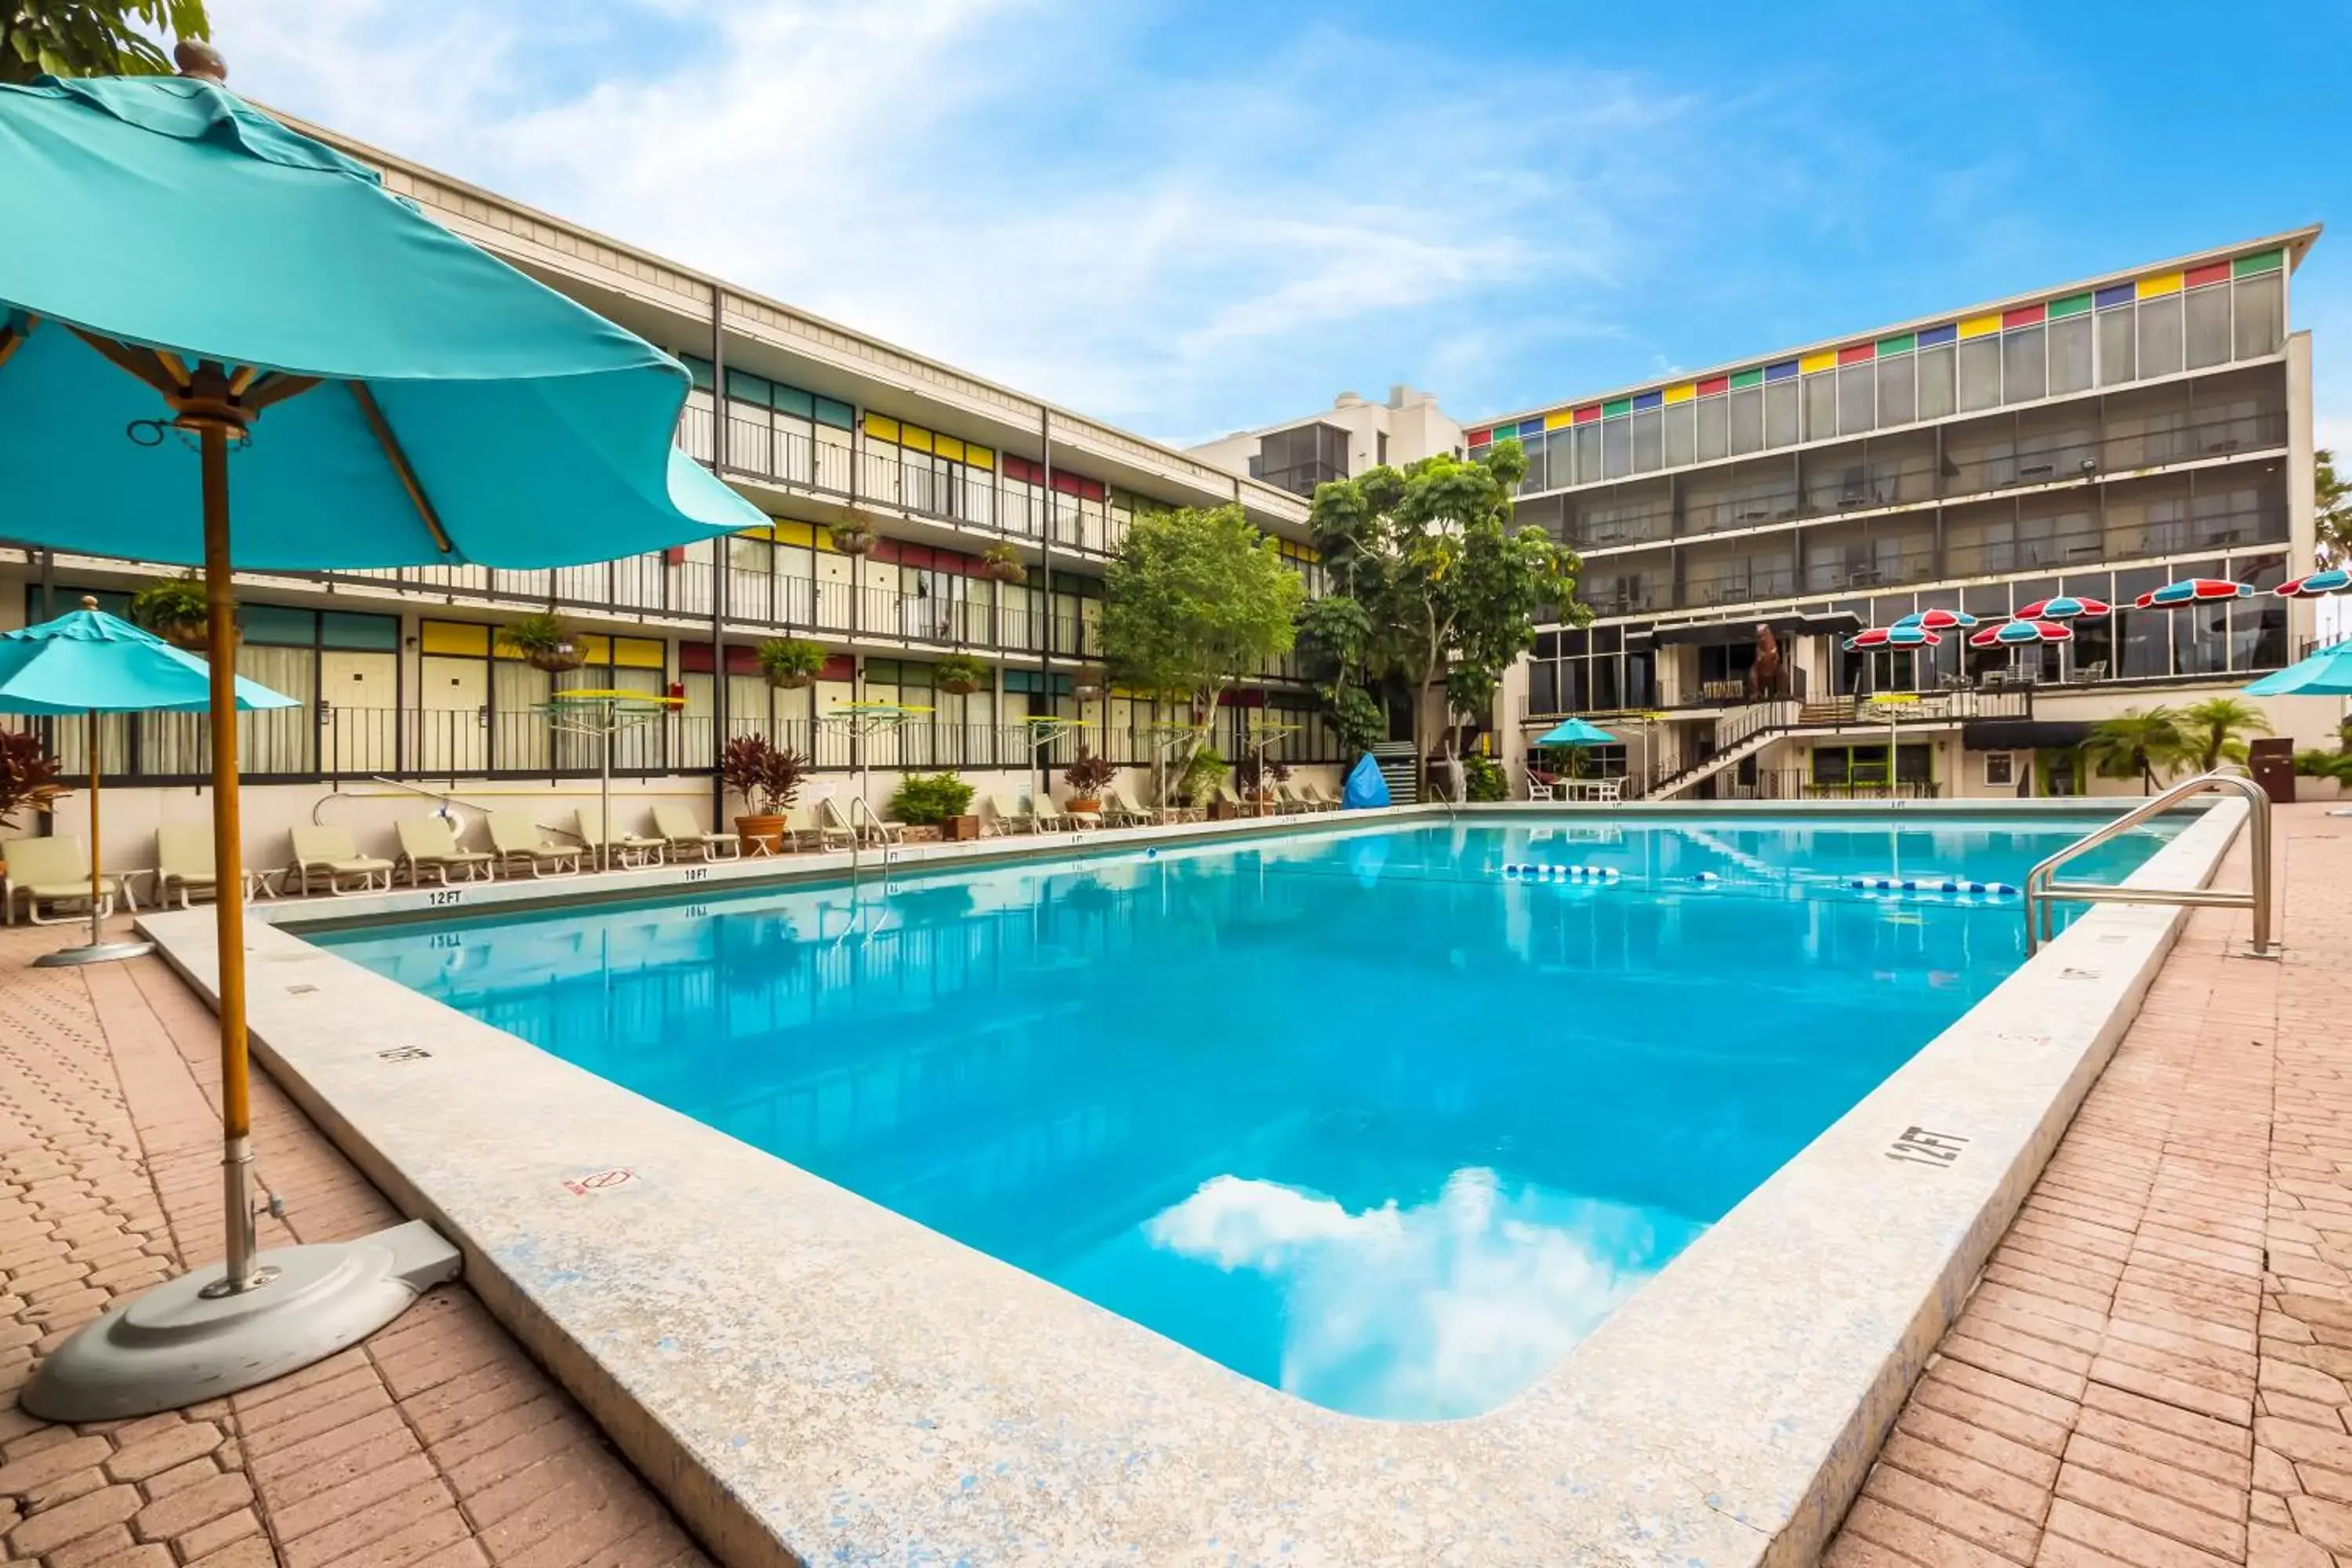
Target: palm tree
2212	728
2333	510
2133	745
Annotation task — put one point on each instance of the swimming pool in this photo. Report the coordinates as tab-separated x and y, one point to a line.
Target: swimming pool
1356	1113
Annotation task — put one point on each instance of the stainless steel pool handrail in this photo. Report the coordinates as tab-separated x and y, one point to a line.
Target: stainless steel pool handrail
2042	889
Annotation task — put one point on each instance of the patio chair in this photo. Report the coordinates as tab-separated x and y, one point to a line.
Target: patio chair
678	829
802	830
1291	800
517	842
837	822
1120	811
1048	817
1609	792
429	843
184	865
1242	807
1542	786
329	855
1005	816
631	849
50	871
1312	793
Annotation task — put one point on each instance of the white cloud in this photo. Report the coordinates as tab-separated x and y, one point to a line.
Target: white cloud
1447	1308
1039	190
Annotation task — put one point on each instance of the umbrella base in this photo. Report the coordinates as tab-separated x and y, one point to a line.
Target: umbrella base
94	952
177	1346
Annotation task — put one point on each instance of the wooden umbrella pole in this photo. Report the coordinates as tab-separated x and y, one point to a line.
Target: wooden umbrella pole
96	883
229	859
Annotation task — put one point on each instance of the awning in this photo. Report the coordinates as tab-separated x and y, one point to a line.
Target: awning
1725	633
2023	734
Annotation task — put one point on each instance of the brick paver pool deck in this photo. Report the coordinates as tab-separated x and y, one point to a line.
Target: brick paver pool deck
2153	1371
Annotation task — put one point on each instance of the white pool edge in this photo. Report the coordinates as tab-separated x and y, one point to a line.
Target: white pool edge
766	1347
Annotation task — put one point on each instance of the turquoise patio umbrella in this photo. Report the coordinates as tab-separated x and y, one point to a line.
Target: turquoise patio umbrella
2327	673
1576	733
197	301
88	662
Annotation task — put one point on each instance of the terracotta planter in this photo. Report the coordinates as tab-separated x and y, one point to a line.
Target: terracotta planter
959	828
767	832
1221	811
1083	804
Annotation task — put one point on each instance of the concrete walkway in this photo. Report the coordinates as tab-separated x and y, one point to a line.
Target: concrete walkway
436	1443
2153	1369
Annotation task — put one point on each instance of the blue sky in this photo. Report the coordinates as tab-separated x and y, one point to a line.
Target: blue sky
1192	218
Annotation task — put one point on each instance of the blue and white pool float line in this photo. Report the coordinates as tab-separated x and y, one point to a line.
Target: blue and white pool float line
1890	885
1537	871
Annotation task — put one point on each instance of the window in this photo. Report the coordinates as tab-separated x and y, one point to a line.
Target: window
1820	405
2262	314
1588	452
1747	419
1646	435
1898	390
1998	769
1780	412
2116	337
1616	447
2206	314
1560	448
2070	355
1857	399
1679	445
2024	367
1980	367
1714	435
1379	445
2159	336
1936	383
1533	480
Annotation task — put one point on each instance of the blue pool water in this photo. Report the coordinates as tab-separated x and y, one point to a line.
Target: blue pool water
1352	1112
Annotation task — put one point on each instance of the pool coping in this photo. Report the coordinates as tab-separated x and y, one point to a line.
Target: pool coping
808	1377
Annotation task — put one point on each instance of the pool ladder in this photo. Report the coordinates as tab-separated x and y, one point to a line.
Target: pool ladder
2042	889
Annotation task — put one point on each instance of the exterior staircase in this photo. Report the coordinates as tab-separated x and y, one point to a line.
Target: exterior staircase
1742	733
1395	759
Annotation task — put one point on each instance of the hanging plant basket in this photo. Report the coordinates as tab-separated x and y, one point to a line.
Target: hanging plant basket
195	637
1002	562
791	663
558	660
959	685
853	539
960	675
784	681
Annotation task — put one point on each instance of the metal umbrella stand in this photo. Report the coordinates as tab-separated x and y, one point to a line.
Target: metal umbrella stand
862	723
599	716
1042	731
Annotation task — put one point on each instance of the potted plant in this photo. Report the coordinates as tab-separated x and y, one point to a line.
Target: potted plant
791	662
1002	562
767	776
174	609
1258	775
960	674
2321	775
545	642
28	777
1087	777
853	536
941	803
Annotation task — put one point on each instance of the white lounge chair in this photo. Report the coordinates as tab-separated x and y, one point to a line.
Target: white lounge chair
1289	801
1315	796
519	844
184	865
804	830
1122	812
1007	815
1048	817
628	849
50	871
329	855
679	830
428	845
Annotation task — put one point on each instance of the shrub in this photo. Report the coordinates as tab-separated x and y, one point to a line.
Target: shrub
925	800
28	777
1201	776
1483	779
791	661
173	602
2318	764
1088	775
766	776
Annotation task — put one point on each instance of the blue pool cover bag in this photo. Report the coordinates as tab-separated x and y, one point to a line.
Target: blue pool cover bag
1365	785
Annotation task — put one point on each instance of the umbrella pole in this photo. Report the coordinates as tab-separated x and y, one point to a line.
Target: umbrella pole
228	862
96	883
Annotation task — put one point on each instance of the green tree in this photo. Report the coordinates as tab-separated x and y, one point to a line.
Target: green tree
2212	731
1335	646
1195	601
2334	509
2136	744
93	37
1450	590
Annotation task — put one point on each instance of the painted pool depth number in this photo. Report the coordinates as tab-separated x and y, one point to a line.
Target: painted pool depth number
697	873
1917	1146
440	896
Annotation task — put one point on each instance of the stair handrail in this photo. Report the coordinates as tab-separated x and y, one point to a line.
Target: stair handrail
2042	889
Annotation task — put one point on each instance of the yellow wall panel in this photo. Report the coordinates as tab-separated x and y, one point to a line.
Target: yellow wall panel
1828	358
454	637
1554	421
637	653
980	457
1682	394
948	446
880	429
2167	284
598	648
1978	326
800	533
915	438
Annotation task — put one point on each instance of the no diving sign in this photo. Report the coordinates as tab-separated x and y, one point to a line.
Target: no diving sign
599	1181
